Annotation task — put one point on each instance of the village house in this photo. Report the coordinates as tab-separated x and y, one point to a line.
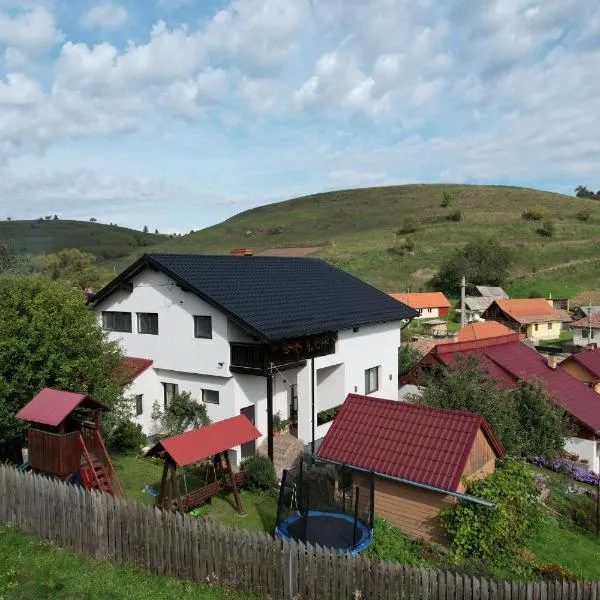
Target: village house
479	301
428	304
256	335
490	291
584	366
509	360
583	311
482	331
420	456
532	317
436	327
586	331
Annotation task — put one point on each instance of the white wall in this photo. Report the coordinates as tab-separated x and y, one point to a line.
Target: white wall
148	385
586	450
579	340
174	348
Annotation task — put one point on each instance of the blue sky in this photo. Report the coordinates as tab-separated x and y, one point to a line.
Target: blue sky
180	113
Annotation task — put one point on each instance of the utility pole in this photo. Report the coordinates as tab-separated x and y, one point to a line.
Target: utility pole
590	322
463	284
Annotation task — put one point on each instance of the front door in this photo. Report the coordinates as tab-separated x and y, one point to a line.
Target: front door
249	448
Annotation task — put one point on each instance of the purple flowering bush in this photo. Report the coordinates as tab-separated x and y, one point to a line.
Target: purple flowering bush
560	465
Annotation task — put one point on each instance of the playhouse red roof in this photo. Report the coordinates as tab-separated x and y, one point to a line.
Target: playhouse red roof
508	360
411	441
195	445
52	407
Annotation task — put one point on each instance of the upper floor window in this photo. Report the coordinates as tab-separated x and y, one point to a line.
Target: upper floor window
116	321
139	405
203	327
371	380
148	323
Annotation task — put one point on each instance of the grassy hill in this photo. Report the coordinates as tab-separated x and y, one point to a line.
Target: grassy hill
358	230
104	241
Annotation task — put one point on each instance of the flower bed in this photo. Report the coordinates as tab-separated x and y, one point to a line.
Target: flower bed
561	465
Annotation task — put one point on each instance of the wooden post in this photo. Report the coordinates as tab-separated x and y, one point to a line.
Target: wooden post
163	484
238	500
269	413
170	487
175	486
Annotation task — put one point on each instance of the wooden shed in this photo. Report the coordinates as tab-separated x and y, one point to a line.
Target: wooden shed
420	456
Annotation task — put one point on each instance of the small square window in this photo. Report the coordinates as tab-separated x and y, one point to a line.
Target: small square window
210	396
148	323
549	325
170	390
536	326
371	380
203	327
139	405
584	333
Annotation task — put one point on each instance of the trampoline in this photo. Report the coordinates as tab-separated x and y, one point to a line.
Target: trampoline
320	505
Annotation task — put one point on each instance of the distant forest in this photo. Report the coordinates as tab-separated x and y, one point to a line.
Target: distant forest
582	192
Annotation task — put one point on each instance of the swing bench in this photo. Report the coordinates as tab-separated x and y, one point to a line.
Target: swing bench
196	446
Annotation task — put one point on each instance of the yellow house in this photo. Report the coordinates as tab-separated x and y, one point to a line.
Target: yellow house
534	318
584	366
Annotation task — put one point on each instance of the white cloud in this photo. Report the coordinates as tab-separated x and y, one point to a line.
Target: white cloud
32	31
20	91
106	15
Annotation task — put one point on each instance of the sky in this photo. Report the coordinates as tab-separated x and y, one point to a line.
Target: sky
177	114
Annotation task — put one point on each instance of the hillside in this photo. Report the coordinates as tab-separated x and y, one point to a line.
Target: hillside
357	229
104	241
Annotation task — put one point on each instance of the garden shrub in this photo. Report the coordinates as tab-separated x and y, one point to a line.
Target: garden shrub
446	199
535	213
389	543
584	214
260	473
494	536
125	438
547	229
582	512
554	572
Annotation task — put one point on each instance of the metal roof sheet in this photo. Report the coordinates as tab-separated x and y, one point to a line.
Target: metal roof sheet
491	291
415	442
590	359
272	297
195	445
529	310
423	299
52	407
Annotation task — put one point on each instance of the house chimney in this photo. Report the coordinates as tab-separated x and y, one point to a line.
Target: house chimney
241	252
552	362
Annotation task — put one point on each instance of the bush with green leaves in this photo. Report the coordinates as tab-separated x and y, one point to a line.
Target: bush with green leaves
535	213
181	414
584	214
408	357
446	199
126	437
260	473
410	224
494	536
547	229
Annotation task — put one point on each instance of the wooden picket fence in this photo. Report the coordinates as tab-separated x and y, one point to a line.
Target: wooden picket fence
105	528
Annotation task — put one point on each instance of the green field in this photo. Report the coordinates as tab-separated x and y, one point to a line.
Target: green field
104	241
32	568
358	230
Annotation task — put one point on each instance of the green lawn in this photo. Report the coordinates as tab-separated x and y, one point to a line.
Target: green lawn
135	472
31	568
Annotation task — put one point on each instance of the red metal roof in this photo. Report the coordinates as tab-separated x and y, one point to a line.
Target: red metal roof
52	407
402	439
509	360
483	330
133	366
195	445
589	359
423	299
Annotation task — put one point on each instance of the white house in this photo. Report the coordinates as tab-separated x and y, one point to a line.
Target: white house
427	304
586	331
256	335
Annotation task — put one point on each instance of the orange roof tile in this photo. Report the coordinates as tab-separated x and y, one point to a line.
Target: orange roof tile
481	331
529	310
423	299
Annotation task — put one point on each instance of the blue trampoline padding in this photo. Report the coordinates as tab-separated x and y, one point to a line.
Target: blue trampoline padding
329	529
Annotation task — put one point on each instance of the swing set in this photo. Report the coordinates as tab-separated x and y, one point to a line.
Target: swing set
208	446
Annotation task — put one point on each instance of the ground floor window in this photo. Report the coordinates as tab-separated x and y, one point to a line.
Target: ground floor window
371	380
170	390
210	396
139	405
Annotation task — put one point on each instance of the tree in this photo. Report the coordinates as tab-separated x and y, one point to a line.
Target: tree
446	199
55	218
74	267
9	218
482	262
145	230
181	414
524	418
408	357
410	224
156	232
582	192
93	220
49	338
8	258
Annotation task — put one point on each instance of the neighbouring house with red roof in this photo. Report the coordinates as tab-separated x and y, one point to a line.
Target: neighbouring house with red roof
420	457
586	331
509	360
143	381
429	304
533	317
482	331
584	366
